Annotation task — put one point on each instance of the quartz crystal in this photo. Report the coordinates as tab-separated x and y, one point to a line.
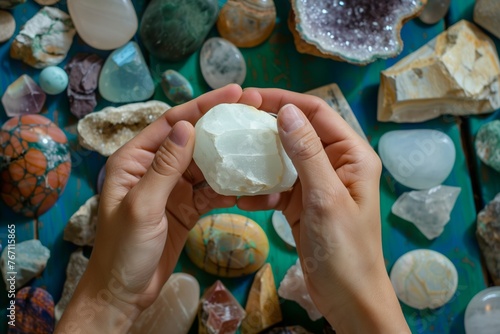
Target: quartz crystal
487	15
456	73
428	209
488	144
222	63
34	312
174	310
488	237
176	87
125	76
293	287
418	159
45	39
31	260
482	315
7	26
358	32
424	278
81	227
23	97
239	151
219	312
282	228
104	25
107	130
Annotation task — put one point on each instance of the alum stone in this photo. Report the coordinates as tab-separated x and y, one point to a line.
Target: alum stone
239	151
488	237
428	209
81	227
418	159
456	73
109	129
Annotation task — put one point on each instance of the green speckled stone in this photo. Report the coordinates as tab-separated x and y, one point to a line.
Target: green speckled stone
173	29
488	144
176	87
8	4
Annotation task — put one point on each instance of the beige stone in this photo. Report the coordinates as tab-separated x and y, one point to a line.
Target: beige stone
7	26
109	129
81	227
456	73
487	15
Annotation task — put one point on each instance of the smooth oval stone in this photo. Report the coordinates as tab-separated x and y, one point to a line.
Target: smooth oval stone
424	278
172	30
53	80
247	23
174	310
222	63
488	144
7	26
34	312
125	76
282	228
176	87
35	164
434	11
227	245
418	159
104	25
482	314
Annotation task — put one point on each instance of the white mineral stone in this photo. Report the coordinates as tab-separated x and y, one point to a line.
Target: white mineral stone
482	315
423	278
456	73
239	151
418	159
81	227
428	209
293	287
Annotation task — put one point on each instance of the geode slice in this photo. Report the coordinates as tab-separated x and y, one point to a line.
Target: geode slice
488	237
358	32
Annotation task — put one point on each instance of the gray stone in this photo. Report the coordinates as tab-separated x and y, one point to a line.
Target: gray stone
488	237
487	15
81	227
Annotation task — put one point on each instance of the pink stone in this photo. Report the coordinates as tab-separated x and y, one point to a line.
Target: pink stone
23	97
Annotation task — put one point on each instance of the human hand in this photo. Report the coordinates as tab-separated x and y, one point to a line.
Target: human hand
333	211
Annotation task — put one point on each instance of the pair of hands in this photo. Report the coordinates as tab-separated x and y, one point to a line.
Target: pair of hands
150	202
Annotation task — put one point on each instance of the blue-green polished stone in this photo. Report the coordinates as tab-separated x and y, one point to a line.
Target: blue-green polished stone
173	29
176	87
53	80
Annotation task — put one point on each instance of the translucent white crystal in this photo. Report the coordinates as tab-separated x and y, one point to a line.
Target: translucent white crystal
483	312
282	227
418	159
428	209
239	151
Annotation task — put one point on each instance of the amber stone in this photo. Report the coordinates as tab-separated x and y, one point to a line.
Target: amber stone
247	23
35	164
227	245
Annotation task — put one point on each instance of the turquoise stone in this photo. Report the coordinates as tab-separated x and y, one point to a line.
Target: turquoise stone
125	76
173	29
488	144
34	312
53	80
176	87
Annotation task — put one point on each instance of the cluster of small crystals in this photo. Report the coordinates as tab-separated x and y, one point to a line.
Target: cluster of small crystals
356	29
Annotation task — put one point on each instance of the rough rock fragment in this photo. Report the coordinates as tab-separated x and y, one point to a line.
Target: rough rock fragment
487	15
456	73
488	237
107	130
81	227
488	144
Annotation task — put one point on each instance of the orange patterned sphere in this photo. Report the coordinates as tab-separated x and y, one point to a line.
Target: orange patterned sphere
35	164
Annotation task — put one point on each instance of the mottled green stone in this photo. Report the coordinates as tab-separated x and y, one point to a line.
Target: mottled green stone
173	29
488	144
9	4
176	87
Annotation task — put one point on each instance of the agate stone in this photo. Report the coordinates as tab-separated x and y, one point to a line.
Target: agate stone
172	30
176	87
488	144
239	151
35	164
34	312
418	159
488	237
7	25
23	97
104	25
53	80
482	314
125	76
9	4
222	63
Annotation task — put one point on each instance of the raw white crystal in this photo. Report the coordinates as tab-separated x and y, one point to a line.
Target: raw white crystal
30	259
81	227
293	287
423	278
456	73
239	151
418	159
428	209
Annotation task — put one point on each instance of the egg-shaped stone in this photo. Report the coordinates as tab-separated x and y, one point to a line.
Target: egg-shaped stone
227	245
418	159
35	164
176	87
482	314
53	80
424	278
34	312
247	23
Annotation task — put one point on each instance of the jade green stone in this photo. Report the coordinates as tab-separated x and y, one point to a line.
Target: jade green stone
9	4
171	30
53	80
488	144
176	87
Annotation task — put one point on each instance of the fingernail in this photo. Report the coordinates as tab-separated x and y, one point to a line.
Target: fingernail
179	135
291	118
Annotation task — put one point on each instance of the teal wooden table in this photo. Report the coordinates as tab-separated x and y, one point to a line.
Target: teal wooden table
276	63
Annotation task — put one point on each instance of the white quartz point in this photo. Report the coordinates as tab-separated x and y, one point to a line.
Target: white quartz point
239	151
418	159
174	310
293	287
424	278
428	209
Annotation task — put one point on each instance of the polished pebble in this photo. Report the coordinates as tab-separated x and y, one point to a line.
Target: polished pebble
34	312
7	26
53	80
482	315
176	87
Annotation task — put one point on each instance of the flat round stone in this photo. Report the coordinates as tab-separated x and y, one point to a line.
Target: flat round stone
482	315
488	144
7	26
222	63
176	87
53	80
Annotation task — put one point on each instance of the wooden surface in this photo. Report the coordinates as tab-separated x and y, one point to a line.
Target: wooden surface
277	64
